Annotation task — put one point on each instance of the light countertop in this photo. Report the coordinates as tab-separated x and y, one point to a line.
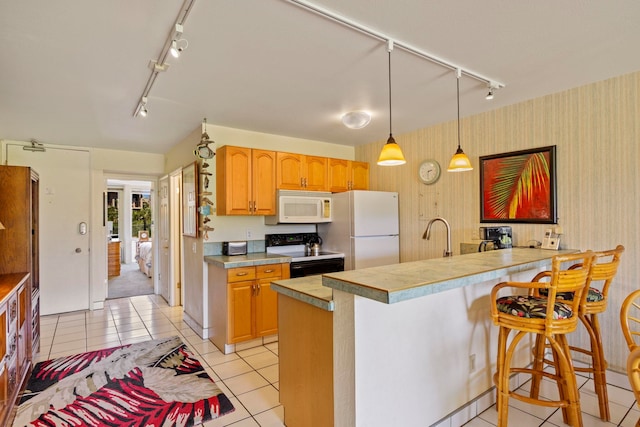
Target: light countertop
256	258
399	282
307	289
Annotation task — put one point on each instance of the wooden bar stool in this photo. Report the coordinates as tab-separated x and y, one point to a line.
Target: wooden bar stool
550	319
603	269
630	320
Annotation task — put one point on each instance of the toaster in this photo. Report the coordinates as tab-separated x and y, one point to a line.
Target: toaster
234	248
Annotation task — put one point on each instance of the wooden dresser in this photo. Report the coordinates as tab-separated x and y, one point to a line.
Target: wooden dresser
19	241
114	259
15	357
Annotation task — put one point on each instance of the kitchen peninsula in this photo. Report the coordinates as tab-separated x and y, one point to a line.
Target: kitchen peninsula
407	344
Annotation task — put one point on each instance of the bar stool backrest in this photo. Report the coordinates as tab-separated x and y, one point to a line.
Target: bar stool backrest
603	270
575	280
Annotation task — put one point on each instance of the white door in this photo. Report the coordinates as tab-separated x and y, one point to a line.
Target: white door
65	199
163	239
175	241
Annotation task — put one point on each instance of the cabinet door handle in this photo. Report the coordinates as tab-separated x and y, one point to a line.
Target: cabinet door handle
257	289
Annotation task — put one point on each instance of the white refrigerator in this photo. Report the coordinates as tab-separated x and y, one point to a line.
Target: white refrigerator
364	227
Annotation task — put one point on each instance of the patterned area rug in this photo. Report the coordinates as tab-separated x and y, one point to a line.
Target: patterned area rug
154	383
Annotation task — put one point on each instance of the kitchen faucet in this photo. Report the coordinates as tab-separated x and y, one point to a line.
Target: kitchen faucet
427	234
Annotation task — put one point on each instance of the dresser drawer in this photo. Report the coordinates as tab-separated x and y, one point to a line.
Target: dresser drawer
240	274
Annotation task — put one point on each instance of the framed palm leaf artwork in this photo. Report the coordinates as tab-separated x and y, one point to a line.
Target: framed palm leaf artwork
519	186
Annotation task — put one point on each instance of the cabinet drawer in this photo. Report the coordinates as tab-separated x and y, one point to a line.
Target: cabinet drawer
269	270
241	273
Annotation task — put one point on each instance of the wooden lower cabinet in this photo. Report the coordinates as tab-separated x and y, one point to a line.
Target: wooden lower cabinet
15	340
242	303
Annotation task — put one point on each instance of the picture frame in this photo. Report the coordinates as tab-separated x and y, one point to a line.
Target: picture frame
190	200
519	187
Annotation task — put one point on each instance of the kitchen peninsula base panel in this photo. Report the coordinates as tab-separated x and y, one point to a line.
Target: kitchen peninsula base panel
306	363
416	353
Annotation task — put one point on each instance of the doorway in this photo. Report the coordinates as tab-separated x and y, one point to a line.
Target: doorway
130	235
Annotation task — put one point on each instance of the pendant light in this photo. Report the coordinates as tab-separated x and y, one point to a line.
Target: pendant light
459	162
391	154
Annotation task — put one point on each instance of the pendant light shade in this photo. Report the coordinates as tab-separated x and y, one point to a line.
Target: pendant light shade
391	154
459	162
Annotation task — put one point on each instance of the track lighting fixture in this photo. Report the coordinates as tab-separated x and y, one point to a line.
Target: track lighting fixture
173	45
493	86
143	107
459	162
490	94
391	154
177	46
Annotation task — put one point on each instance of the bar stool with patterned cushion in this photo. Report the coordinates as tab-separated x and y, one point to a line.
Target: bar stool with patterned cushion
527	314
603	269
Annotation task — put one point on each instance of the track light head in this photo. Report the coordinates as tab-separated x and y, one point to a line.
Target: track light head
177	46
143	107
489	94
492	86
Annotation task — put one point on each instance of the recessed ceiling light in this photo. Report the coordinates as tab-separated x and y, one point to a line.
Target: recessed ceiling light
356	119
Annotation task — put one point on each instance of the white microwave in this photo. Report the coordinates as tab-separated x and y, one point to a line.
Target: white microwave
301	207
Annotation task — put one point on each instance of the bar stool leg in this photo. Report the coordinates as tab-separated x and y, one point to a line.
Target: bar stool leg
538	365
502	378
599	364
562	356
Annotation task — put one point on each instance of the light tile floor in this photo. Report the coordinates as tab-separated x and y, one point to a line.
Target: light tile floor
250	377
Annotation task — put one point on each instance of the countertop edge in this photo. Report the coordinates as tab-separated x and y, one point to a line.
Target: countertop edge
428	288
256	258
323	304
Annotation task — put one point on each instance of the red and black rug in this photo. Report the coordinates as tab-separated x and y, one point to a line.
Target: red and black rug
154	383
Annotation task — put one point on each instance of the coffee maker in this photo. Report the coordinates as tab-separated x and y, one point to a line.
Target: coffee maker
500	236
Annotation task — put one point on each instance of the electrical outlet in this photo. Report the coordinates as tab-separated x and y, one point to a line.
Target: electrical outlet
249	233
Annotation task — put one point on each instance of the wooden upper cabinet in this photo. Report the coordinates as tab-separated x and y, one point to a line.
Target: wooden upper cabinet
263	168
245	181
316	173
359	175
289	171
347	175
301	172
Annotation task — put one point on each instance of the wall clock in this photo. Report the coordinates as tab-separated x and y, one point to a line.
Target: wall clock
429	171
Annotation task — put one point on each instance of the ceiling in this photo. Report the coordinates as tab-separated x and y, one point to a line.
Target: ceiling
72	72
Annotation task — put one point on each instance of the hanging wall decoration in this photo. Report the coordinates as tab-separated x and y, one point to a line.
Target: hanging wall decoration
519	186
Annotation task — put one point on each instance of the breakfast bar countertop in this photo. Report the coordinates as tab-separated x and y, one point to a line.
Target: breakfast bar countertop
307	289
255	258
399	282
